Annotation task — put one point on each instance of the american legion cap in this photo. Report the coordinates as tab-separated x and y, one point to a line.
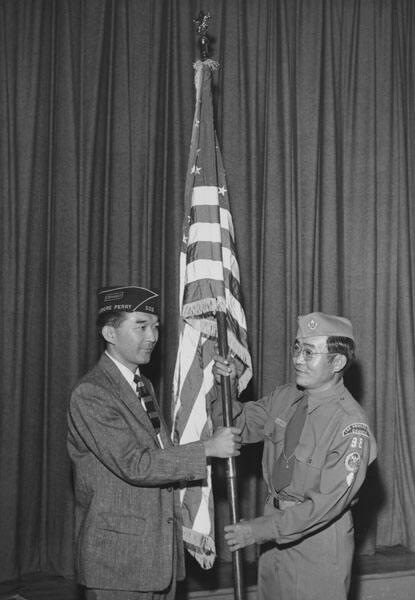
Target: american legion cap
129	298
318	323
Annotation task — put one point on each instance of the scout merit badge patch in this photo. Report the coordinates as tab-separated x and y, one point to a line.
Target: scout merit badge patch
352	464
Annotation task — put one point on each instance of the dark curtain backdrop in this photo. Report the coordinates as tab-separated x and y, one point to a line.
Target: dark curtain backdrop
314	107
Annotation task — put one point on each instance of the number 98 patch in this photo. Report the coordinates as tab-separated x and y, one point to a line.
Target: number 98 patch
357	442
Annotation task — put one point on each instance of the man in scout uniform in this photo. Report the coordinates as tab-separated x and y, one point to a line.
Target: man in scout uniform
128	542
317	447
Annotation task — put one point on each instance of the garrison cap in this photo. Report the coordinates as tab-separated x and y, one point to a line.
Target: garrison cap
129	298
318	323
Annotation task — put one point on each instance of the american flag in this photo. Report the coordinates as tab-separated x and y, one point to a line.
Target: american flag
209	282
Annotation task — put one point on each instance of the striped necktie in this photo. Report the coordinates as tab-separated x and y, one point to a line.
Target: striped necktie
283	467
148	403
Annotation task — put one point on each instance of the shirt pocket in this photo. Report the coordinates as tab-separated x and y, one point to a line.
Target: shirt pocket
307	470
274	431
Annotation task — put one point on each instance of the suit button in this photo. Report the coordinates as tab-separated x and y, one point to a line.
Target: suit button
170	520
169	489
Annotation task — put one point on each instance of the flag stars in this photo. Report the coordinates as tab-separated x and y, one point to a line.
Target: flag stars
196	170
222	190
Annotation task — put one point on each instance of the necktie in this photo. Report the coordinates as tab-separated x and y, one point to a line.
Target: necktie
283	467
148	403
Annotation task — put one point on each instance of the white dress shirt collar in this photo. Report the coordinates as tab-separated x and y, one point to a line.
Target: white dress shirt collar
129	375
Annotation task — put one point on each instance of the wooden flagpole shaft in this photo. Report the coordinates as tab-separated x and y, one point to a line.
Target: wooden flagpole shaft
231	477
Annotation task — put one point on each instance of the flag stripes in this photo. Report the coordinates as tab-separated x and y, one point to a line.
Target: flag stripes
209	282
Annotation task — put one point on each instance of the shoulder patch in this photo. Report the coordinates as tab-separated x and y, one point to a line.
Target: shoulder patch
356	429
352	462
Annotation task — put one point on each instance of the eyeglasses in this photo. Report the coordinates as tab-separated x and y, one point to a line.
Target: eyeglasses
308	354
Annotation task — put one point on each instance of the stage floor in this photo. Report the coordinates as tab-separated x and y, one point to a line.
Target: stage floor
392	563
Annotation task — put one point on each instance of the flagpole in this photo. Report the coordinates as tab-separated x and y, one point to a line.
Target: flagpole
202	25
231	476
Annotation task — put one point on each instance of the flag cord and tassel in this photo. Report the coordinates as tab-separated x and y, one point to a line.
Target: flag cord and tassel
231	475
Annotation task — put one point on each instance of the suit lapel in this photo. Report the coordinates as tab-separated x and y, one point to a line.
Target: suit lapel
127	395
124	391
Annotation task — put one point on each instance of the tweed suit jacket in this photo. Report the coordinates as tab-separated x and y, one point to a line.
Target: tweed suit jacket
127	508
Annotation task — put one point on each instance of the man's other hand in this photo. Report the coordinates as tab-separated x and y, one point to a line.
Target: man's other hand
224	366
224	443
239	535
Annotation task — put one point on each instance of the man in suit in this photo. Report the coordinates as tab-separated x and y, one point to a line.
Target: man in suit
317	447
128	542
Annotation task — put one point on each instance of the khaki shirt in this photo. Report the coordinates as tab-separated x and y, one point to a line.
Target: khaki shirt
335	448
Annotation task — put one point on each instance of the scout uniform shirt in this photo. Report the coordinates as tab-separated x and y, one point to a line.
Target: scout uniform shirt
309	520
331	458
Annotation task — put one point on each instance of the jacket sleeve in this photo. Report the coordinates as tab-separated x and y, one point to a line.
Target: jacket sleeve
250	417
342	475
123	445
